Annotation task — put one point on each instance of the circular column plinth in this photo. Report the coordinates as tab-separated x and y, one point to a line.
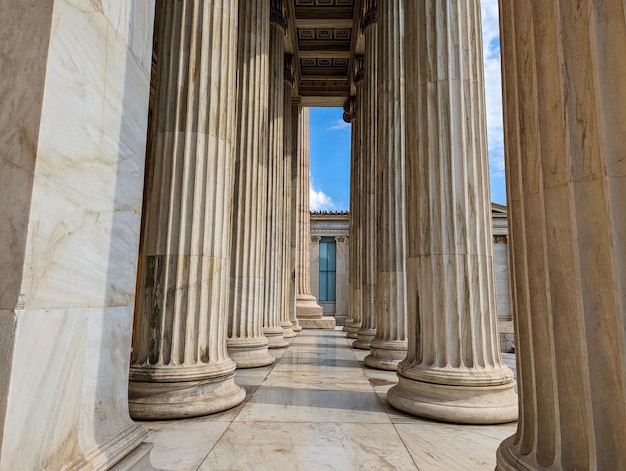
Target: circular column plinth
507	459
495	404
250	353
363	339
296	327
288	331
183	399
307	308
353	330
386	355
275	337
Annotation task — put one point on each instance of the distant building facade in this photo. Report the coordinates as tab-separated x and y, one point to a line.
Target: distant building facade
330	245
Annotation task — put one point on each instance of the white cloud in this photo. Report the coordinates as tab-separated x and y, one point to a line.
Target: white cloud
318	200
338	125
493	85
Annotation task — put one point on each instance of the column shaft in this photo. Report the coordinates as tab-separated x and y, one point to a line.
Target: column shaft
287	276
296	111
453	370
310	314
356	217
389	345
247	345
275	198
566	178
180	366
367	329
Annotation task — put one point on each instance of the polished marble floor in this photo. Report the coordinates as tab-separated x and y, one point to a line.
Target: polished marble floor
319	408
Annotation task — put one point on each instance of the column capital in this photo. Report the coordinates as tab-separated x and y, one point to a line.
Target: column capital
315	239
348	109
500	239
359	69
290	70
369	15
278	14
341	239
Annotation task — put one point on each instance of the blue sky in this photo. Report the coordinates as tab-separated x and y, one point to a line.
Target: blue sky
330	135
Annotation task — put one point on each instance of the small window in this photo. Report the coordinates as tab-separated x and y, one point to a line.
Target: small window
328	261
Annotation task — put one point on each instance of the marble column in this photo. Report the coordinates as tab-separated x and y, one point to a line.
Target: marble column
288	283
274	288
74	94
453	371
179	365
247	345
389	345
296	111
309	313
565	128
353	323
343	267
367	329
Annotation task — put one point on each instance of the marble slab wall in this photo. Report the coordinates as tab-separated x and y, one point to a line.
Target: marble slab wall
74	218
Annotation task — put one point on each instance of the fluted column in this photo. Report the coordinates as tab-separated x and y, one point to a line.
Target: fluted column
179	365
565	128
274	288
306	304
388	347
296	111
247	345
287	271
367	329
453	370
356	218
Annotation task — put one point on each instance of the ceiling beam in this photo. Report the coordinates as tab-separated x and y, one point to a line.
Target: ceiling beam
321	23
323	54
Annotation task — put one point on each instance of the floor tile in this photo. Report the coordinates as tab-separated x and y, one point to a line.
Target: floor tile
309	447
445	447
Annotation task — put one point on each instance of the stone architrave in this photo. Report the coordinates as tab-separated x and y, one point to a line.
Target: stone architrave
296	110
453	371
353	323
274	253
179	365
389	345
247	345
367	329
565	129
288	282
309	313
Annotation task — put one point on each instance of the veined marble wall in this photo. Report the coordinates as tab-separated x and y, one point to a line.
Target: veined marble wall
74	87
334	225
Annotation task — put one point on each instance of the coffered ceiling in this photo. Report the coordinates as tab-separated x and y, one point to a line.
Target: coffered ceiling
324	44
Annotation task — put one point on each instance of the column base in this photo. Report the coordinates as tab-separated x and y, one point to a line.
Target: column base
327	323
275	337
136	460
364	338
184	399
288	331
495	404
507	460
250	353
295	326
127	450
348	324
307	308
386	355
353	330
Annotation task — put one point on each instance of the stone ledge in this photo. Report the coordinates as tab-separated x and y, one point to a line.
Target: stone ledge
322	323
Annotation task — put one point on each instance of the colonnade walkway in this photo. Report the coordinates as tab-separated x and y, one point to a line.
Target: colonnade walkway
319	408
